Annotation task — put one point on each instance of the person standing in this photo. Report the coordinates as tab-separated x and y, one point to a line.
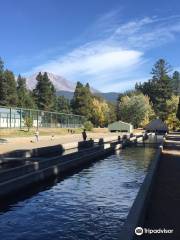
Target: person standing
84	135
37	135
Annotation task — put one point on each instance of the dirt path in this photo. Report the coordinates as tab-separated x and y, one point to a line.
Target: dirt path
30	143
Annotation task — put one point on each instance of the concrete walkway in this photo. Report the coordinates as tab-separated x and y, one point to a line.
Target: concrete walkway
30	143
164	208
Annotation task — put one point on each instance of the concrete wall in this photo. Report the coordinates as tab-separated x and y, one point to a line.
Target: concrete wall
47	162
41	163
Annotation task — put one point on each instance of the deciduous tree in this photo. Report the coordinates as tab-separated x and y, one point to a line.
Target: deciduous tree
135	109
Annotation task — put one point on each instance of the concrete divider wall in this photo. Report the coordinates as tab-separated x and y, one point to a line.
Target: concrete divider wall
60	148
40	163
49	161
48	151
16	172
19	182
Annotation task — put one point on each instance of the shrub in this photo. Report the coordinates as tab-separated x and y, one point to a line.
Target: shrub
88	125
28	122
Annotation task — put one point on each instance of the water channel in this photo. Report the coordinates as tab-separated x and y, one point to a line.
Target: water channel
91	203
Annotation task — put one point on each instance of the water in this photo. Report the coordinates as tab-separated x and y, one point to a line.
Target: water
90	204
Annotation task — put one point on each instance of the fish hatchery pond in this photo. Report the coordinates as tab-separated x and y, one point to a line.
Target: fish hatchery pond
91	203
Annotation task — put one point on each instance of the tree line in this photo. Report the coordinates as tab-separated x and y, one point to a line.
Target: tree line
156	98
14	93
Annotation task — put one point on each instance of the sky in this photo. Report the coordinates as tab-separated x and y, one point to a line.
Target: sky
112	44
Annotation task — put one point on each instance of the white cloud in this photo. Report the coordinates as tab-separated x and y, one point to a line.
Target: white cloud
93	60
118	55
147	32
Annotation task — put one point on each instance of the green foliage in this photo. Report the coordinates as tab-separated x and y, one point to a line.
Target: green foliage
11	88
158	96
88	125
28	122
44	93
25	98
14	93
171	119
100	111
178	110
135	109
159	88
3	85
112	114
176	83
8	93
82	100
63	105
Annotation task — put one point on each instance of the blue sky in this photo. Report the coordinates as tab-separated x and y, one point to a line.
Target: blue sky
112	44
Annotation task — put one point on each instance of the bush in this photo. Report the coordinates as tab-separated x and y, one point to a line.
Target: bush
28	122
88	125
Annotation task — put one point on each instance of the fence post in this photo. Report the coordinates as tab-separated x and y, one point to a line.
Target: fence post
20	118
10	117
37	119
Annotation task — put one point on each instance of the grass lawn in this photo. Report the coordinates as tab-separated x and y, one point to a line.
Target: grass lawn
50	131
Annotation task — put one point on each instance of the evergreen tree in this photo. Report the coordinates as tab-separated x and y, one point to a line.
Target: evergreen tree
112	116
25	98
159	88
178	110
176	83
82	100
3	85
12	98
63	104
45	94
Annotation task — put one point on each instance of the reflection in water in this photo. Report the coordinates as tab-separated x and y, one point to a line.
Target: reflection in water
90	204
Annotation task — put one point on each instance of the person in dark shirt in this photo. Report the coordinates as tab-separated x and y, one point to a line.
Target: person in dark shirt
84	135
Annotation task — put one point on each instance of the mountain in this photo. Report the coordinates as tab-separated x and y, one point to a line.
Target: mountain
109	96
66	88
66	94
60	83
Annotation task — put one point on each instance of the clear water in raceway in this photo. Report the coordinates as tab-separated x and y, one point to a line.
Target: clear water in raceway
91	203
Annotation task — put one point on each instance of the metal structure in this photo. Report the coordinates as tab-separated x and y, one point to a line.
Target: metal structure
17	118
157	125
120	126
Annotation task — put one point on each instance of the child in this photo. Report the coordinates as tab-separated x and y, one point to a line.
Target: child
37	135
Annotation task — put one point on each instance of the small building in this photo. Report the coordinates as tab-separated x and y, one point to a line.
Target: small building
120	126
156	125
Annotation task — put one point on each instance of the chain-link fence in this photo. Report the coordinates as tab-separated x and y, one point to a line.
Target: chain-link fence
21	117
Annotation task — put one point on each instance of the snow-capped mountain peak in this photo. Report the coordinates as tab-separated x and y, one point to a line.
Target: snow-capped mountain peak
60	83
